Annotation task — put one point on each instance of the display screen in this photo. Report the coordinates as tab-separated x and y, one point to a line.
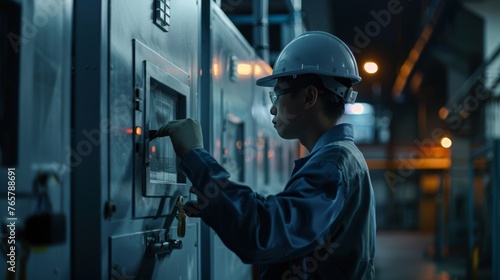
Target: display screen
163	104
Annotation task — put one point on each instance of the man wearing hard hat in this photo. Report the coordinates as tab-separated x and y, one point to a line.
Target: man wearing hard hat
322	225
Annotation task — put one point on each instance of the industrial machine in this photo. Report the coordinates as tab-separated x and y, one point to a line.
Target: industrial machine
85	85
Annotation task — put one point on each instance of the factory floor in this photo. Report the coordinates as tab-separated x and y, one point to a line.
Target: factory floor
403	255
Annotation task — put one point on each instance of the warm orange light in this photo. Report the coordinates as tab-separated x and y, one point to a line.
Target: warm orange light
414	54
153	149
406	68
371	67
244	69
215	69
446	142
257	70
443	113
138	130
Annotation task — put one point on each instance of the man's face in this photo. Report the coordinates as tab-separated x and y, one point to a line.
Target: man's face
286	109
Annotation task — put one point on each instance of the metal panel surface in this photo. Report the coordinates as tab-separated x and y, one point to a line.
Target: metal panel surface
135	39
147	76
153	78
131	256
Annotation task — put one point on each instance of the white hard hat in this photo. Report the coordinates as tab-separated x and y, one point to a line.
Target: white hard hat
320	53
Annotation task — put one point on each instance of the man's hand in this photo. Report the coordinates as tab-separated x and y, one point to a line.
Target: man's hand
185	135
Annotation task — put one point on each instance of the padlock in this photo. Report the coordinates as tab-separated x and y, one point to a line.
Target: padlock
44	227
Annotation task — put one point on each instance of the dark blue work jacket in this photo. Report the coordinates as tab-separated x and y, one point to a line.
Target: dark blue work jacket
321	226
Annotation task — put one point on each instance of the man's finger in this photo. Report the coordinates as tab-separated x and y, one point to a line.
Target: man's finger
192	209
167	129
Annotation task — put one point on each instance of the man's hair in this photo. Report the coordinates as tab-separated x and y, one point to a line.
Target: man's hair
332	104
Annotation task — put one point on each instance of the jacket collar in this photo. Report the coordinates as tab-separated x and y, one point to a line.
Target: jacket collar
343	131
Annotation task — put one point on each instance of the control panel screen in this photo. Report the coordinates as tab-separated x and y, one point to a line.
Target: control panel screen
162	109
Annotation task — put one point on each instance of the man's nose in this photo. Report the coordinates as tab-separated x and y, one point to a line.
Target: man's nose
273	110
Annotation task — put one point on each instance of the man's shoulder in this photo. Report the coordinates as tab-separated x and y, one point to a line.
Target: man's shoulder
337	148
342	152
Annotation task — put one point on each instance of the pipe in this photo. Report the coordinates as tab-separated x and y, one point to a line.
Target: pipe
261	28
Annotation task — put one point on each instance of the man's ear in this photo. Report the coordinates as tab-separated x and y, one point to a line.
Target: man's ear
312	95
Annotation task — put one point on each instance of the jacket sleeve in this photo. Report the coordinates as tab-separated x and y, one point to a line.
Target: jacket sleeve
267	229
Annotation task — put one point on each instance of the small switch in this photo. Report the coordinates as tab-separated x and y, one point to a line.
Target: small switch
137	105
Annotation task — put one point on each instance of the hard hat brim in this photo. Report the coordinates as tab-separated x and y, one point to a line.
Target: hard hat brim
270	81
